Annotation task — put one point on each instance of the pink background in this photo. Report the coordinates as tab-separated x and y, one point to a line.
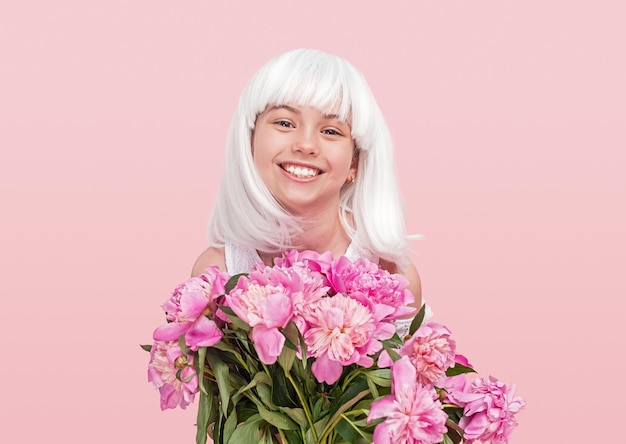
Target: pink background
509	120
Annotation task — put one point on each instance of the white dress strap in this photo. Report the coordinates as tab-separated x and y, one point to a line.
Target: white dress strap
353	252
240	259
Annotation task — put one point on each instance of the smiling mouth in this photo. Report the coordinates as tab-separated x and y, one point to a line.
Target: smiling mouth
300	172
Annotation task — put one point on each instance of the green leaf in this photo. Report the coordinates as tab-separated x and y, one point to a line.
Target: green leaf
317	409
227	347
352	391
292	335
200	362
357	390
393	352
459	369
183	345
247	432
288	354
230	425
232	282
277	419
236	320
286	358
381	376
417	321
293	437
258	378
203	418
297	414
220	370
354	431
146	347
282	392
455	433
346	430
319	427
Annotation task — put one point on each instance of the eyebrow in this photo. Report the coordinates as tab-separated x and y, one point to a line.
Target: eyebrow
297	111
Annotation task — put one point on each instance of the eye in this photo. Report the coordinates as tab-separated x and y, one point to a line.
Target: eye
284	123
332	132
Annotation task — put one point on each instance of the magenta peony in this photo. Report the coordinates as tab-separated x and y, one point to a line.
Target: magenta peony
413	413
431	350
377	285
173	373
489	410
310	260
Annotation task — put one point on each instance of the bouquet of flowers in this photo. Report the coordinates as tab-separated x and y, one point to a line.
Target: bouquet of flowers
306	352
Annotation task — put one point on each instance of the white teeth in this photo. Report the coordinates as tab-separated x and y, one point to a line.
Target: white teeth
299	171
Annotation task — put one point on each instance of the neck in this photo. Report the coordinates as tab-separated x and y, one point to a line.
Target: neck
322	236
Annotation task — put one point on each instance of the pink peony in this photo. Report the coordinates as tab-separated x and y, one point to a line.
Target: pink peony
305	283
311	260
192	309
489	410
378	285
431	350
266	307
413	413
341	332
173	373
270	297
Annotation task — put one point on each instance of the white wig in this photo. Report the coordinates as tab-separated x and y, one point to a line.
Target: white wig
371	211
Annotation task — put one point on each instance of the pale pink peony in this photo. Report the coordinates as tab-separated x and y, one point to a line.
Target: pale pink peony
265	306
377	285
192	309
166	361
489	410
341	332
413	413
431	350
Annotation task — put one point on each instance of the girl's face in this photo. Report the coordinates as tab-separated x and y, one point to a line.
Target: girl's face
304	156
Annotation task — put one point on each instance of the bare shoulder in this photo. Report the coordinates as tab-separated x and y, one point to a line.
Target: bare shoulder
210	256
411	275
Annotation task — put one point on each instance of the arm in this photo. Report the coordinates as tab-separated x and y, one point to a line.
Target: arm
210	256
411	275
415	284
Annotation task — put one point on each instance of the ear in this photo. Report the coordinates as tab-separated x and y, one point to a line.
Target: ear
353	166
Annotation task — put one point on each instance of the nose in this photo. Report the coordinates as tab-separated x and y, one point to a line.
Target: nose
306	141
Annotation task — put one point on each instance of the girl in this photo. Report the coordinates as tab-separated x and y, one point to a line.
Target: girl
309	165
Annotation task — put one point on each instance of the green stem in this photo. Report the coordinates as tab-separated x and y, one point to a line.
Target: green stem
349	379
305	406
356	429
337	416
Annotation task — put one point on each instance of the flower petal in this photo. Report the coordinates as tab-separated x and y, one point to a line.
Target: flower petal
326	370
203	333
268	342
171	331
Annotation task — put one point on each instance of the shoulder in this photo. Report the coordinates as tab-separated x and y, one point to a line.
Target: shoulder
411	275
210	256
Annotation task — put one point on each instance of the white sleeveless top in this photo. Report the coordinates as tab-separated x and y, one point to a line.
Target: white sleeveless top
240	259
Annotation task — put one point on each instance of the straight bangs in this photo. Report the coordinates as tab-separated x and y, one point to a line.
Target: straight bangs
306	78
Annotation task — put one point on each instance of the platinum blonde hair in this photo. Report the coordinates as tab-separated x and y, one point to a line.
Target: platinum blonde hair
371	210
